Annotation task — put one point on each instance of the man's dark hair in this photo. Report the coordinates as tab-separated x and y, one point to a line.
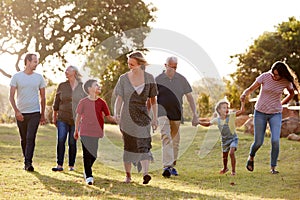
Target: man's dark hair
28	57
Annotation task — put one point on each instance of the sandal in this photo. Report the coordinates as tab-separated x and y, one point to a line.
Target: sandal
223	171
250	165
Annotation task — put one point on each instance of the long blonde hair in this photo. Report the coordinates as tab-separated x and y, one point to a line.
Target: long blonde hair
139	57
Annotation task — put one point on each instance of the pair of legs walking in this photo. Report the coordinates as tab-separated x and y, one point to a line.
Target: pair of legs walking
225	161
90	149
145	170
64	131
136	150
170	138
28	130
260	125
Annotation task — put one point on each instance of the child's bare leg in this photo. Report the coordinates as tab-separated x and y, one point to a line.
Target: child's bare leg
233	160
127	166
225	161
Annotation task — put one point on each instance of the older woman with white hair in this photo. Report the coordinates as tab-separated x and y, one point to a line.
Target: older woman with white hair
67	97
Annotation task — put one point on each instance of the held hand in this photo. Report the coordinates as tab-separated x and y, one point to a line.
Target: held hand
42	120
195	120
19	116
117	119
154	124
76	134
54	121
243	98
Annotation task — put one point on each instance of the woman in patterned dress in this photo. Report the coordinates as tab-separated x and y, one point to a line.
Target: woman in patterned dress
133	90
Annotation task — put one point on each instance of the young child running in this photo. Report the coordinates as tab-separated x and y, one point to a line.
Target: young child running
89	125
226	125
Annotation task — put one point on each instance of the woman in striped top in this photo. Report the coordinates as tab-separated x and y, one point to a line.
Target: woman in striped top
268	108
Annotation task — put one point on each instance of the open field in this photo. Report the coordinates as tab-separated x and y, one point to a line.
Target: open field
198	175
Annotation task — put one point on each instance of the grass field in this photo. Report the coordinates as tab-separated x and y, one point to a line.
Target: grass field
198	174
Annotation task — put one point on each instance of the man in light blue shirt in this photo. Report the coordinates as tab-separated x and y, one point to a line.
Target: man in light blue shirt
29	109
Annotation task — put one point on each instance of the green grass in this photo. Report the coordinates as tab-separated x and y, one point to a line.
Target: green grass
198	179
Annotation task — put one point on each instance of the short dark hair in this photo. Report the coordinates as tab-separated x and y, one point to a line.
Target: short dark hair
88	84
28	57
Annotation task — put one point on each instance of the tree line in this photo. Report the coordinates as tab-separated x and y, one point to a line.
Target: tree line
55	28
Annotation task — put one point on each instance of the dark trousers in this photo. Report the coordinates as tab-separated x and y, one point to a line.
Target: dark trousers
89	148
28	129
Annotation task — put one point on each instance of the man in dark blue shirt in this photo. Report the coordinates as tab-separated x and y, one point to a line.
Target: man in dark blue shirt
172	86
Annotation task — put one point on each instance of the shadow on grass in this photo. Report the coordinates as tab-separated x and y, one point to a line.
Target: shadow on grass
109	188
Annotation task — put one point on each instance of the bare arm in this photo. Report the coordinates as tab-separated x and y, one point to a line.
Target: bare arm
191	101
77	121
111	119
43	105
242	109
153	104
288	97
12	101
117	108
249	90
204	123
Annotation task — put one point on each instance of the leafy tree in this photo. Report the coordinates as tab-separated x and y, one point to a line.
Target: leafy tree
283	44
107	64
52	28
207	92
204	106
233	95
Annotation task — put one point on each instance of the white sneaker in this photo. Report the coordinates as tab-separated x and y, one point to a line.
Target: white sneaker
89	181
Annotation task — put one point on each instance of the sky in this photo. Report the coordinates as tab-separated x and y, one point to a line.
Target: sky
222	28
219	28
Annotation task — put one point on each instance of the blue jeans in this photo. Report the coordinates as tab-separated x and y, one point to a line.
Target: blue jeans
63	130
260	124
28	129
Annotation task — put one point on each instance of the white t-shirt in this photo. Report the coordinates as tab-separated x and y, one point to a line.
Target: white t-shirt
28	87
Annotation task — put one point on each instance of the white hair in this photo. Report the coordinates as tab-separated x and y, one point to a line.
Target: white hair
77	73
171	59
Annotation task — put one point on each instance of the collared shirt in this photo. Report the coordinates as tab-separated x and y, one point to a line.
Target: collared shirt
66	101
170	93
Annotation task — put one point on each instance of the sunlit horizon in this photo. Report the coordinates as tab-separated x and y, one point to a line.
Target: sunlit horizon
221	28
